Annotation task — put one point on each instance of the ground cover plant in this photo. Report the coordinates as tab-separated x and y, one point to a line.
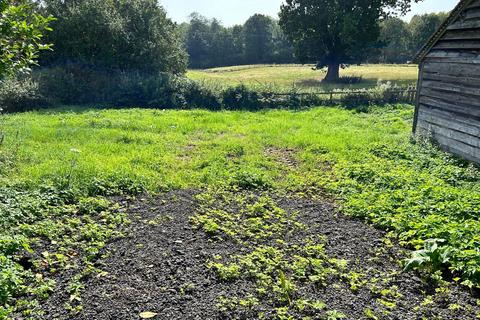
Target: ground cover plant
233	209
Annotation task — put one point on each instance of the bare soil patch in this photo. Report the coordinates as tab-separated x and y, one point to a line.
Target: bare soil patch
161	267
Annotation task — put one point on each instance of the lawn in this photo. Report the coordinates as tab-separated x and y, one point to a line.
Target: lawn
285	77
249	188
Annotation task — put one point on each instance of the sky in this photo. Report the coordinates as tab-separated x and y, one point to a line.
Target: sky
232	12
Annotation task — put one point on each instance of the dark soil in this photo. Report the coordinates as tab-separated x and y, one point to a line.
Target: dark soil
161	267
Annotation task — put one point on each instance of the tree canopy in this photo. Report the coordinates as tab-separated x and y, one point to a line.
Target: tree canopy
259	40
423	26
335	32
124	35
21	35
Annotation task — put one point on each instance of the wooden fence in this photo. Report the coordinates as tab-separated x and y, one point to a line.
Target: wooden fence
403	95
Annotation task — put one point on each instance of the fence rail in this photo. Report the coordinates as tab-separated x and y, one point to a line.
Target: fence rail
404	94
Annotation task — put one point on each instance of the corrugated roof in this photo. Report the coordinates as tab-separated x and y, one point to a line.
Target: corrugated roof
441	31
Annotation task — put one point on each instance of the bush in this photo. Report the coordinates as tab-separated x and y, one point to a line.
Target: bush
81	84
20	95
73	84
241	97
244	98
350	80
383	93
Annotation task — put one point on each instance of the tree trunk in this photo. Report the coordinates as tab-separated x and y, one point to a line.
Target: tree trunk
333	73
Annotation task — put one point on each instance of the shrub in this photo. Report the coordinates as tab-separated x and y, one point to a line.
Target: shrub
433	257
383	93
201	96
349	80
241	97
20	94
357	100
74	83
82	84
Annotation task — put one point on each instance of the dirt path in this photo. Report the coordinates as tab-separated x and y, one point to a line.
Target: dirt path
161	267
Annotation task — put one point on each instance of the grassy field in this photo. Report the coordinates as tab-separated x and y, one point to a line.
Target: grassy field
60	168
285	77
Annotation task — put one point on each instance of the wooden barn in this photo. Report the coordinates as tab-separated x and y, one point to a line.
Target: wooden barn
448	98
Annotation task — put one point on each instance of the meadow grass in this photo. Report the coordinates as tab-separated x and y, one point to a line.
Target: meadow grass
181	149
286	77
59	166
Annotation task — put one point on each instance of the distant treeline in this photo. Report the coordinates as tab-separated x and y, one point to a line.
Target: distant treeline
129	53
400	41
261	40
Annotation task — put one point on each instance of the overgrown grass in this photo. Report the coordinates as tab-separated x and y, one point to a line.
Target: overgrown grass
176	149
57	167
284	77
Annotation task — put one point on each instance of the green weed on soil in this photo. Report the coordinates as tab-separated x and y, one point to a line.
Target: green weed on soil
59	170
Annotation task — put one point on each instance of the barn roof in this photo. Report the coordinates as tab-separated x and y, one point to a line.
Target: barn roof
441	31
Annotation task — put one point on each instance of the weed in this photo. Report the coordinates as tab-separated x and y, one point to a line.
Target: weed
432	258
370	314
285	288
335	315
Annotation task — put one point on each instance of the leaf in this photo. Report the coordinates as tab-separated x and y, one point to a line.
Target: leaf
148	315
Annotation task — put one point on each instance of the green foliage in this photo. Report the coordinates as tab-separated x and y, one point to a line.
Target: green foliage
330	33
77	84
395	36
258	33
250	180
241	98
384	93
407	187
21	36
210	44
114	35
401	41
422	27
20	94
432	258
419	193
258	218
335	315
62	227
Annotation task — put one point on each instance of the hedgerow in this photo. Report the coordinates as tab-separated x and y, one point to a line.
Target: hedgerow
81	84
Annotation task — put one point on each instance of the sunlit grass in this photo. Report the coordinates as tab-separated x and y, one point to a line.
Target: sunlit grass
164	149
367	162
303	77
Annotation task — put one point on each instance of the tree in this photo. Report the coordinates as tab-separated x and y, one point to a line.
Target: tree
116	35
331	33
282	48
238	45
210	44
198	42
395	38
422	27
21	35
259	40
258	32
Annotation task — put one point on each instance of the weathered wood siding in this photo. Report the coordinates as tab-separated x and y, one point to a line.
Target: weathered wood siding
448	105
